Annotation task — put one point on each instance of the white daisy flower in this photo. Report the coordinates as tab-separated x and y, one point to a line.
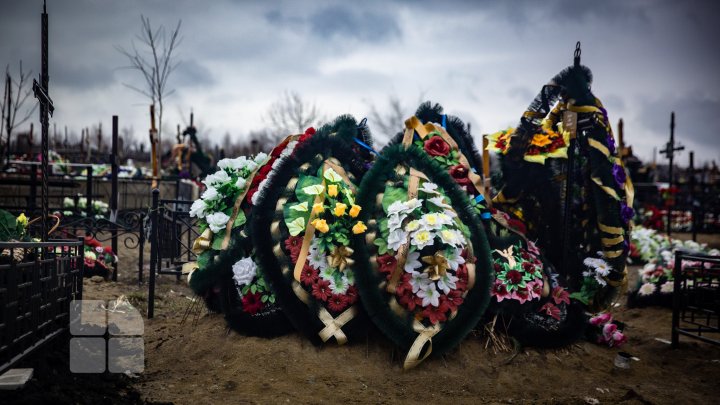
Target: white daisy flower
316	257
328	273
339	285
647	289
667	287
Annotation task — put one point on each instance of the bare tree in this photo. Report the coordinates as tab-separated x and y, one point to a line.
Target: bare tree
155	63
390	121
12	105
291	114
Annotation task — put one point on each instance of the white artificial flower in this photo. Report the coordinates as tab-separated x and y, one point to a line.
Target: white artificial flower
395	208
396	238
429	188
412	226
430	296
261	158
602	268
667	287
197	209
412	262
244	271
349	277
411	205
240	183
447	283
210	194
395	221
430	222
454	259
714	252
219	177
439	201
339	286
647	289
251	165
450	213
316	257
452	237
444	219
226	164
90	255
328	273
217	221
419	281
422	238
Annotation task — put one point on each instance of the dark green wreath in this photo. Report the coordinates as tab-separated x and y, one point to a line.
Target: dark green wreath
332	140
269	322
399	329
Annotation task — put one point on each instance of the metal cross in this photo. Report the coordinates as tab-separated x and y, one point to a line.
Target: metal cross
46	107
669	152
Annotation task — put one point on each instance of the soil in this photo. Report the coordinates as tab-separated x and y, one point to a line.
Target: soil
191	358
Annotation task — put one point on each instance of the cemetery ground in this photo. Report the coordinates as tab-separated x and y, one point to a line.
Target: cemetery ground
193	359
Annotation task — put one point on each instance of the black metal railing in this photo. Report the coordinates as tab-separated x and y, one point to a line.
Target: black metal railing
696	297
38	280
171	235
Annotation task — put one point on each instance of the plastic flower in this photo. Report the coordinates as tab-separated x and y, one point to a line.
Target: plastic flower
447	283
421	238
429	188
210	194
387	263
541	140
244	271
395	208
601	319
359	227
419	281
337	302
252	303
332	190
217	221
560	295
412	226
646	289
439	201
412	262
452	237
430	296
321	225
339	285
454	258
321	290
22	220
308	275
318	208
219	177
339	209
619	174
667	287
429	221
435	146
240	183
499	291
355	210
550	309
316	257
395	221
396	238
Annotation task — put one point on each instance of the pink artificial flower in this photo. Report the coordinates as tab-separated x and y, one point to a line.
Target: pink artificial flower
532	248
608	330
618	338
499	291
521	295
601	319
550	309
535	288
559	295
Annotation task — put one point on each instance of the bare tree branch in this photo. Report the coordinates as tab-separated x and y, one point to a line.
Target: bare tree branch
13	106
292	114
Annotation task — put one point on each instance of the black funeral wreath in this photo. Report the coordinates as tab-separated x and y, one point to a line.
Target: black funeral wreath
312	316
401	328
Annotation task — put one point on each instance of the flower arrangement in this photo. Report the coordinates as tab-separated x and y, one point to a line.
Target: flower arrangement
421	238
604	330
518	275
252	290
438	149
326	207
595	276
499	142
99	259
78	206
550	142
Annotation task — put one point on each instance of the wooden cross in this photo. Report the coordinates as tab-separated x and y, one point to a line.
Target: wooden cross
47	108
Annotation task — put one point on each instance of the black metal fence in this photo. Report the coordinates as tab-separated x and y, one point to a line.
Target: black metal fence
695	207
38	280
171	234
696	297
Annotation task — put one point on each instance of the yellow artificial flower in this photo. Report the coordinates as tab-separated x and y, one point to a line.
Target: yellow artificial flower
359	227
355	210
321	225
318	208
22	220
332	190
339	209
541	140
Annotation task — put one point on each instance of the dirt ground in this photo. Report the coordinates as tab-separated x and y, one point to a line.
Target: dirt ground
191	358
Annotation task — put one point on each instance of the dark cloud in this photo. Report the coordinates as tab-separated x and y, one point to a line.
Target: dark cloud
357	23
696	120
191	73
66	73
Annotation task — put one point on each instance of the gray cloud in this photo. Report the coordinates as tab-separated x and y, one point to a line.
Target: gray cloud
695	120
360	24
192	73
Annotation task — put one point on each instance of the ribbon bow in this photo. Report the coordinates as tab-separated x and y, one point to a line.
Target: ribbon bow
340	257
438	265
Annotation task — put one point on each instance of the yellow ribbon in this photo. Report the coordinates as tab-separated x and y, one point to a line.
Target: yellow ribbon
203	242
417	352
608	190
599	146
615	230
612	241
333	326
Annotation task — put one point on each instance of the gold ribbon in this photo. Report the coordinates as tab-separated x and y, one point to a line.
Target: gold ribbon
203	242
613	254
612	241
599	146
340	258
615	230
437	265
416	354
333	326
608	190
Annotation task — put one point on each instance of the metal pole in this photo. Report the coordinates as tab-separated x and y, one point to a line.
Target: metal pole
677	291
114	191
153	252
692	196
44	120
88	192
670	147
32	203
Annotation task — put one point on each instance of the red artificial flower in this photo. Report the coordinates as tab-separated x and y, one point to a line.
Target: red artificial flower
513	276
521	295
352	294
517	225
321	290
559	295
264	170
89	263
454	299
278	150
462	272
499	291
252	303
108	250
403	284
460	173
337	302
536	289
293	244
528	267
92	242
435	146
308	133
387	264
308	275
434	314
550	309
407	300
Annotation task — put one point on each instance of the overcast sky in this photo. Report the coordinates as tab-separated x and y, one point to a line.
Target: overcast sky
484	61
